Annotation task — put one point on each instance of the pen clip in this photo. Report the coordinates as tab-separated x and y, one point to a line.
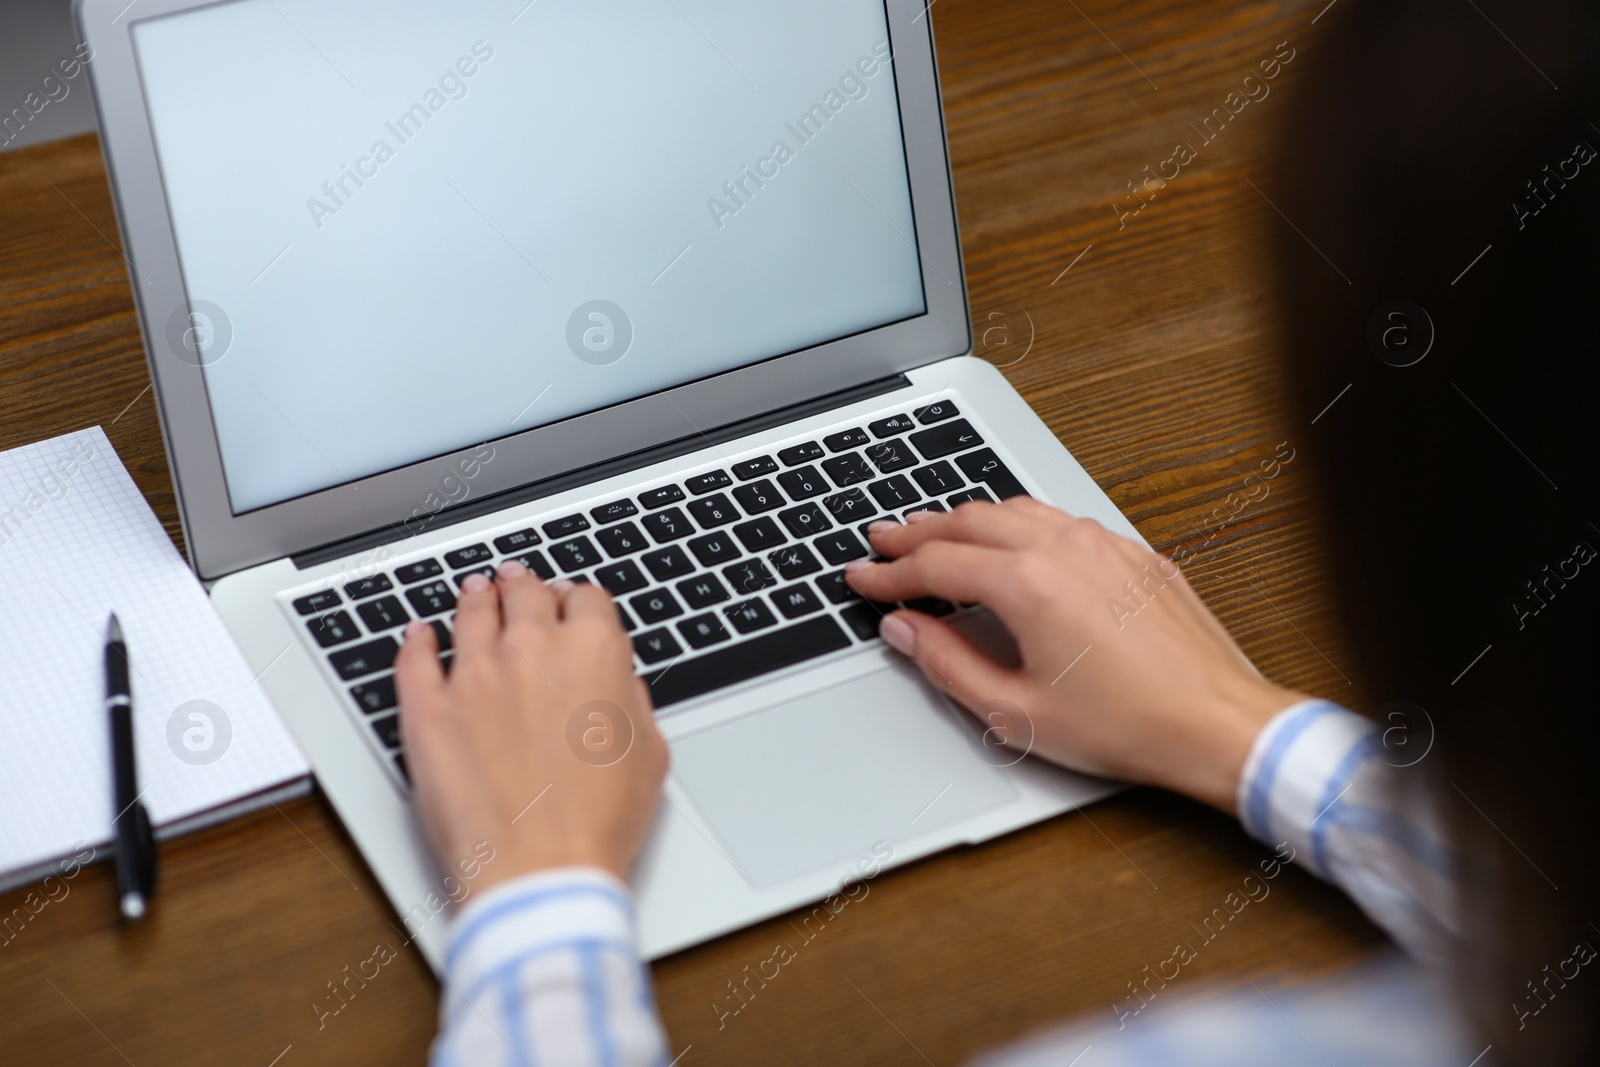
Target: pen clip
147	850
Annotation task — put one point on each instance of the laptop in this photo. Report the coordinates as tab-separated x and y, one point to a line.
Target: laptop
664	295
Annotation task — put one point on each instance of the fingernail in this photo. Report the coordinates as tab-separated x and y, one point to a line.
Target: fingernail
881	525
475	583
920	516
513	568
897	634
859	565
561	585
415	627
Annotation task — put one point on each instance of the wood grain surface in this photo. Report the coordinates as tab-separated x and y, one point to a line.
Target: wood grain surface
1147	342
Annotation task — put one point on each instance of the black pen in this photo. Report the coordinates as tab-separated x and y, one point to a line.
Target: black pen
135	845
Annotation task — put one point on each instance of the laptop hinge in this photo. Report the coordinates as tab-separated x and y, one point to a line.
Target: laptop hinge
471	509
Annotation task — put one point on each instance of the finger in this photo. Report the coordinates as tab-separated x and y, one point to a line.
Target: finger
523	597
963	573
976	522
417	671
477	627
582	600
949	660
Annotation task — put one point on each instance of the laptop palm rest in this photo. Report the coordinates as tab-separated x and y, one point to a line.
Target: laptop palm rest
813	782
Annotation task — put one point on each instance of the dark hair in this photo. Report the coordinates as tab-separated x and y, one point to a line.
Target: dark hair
1443	177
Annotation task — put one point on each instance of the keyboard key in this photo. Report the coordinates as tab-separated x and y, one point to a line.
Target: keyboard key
667	563
470	556
840	547
926	505
370	658
461	579
536	563
385	613
748	616
863	620
796	600
836	589
321	600
749	576
801	453
740	662
795	561
416	572
844	439
944	439
512	543
970	494
628	625
754	468
715	548
937	479
984	466
619	578
931	605
702	591
803	484
759	497
376	695
805	520
656	645
333	629
575	555
894	493
702	484
655	606
441	635
759	535
565	527
431	599
890	456
714	511
615	511
937	411
892	425
660	498
623	539
703	630
847	470
388	730
365	587
668	525
849	506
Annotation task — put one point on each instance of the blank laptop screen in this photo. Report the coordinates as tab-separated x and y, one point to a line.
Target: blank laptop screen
406	228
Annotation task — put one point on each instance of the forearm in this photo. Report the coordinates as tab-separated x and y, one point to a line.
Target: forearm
545	969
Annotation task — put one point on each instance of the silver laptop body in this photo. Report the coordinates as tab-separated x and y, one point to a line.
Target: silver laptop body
668	297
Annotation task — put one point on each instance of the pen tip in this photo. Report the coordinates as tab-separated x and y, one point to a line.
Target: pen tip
113	628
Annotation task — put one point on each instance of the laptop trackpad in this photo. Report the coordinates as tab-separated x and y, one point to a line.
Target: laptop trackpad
813	782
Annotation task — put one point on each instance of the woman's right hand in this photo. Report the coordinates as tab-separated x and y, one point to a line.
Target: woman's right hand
1124	671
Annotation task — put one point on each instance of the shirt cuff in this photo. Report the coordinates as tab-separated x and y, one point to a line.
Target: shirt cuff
1302	753
564	907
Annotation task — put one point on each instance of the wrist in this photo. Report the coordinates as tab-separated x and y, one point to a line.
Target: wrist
1225	733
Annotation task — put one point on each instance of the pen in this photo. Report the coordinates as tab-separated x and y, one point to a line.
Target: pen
133	841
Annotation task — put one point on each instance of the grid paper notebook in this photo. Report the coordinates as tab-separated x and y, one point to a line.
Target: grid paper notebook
78	541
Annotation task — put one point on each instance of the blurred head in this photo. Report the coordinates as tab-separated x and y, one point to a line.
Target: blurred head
1445	181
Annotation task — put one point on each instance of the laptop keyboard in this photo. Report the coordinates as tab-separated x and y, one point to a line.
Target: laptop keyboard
719	577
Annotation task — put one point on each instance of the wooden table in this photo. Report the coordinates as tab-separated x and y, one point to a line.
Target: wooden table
1153	355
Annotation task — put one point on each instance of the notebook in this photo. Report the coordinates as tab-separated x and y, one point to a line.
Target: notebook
78	541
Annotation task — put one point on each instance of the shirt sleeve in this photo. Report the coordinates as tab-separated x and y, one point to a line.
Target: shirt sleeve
545	969
1320	786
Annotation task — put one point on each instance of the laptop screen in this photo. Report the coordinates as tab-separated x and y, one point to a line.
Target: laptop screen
406	228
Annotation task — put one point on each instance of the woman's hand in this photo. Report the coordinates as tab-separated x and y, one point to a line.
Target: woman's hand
540	740
1124	671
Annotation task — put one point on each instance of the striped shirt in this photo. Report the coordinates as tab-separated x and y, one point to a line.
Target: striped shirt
544	969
